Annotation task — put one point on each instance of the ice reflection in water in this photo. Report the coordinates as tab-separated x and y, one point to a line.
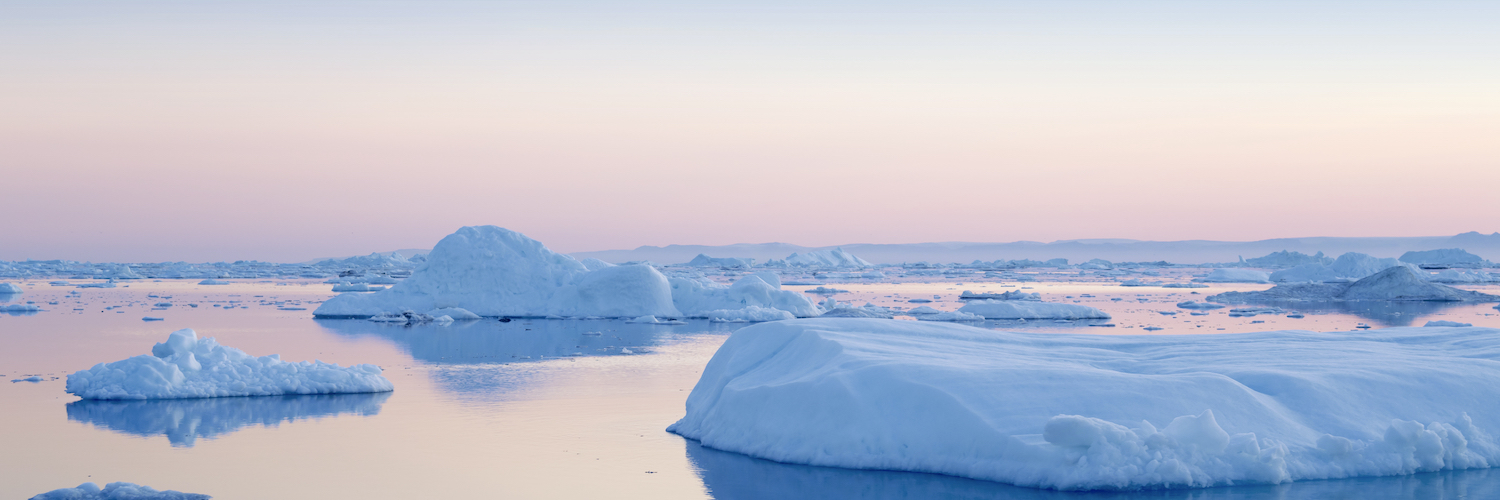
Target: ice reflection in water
1380	313
183	421
732	476
465	354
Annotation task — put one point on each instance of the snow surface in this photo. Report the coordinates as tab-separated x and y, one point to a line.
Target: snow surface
1398	283
186	367
493	271
593	264
1077	412
1234	275
1025	309
116	491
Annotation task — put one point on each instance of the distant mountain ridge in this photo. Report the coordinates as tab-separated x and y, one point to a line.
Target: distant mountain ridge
1116	250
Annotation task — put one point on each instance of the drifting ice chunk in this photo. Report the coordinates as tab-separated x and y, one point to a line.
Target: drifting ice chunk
705	261
1198	305
652	320
186	367
1447	323
1023	309
116	491
1078	412
826	258
211	281
9	288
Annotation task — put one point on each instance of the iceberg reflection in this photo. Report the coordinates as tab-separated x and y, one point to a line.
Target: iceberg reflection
183	421
732	476
1386	313
488	341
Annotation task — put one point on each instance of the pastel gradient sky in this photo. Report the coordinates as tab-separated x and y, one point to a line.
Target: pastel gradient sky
284	131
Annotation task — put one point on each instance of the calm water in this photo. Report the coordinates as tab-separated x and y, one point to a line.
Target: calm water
526	409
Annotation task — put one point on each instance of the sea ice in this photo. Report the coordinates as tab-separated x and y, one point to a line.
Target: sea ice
1198	305
1011	295
950	316
1081	412
186	367
116	491
1025	309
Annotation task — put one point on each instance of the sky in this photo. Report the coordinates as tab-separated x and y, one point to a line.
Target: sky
285	131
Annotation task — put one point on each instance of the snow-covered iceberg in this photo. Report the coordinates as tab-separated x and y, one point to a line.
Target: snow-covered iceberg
1348	267
493	271
826	258
1235	275
1026	309
1398	283
117	491
697	298
188	367
1078	412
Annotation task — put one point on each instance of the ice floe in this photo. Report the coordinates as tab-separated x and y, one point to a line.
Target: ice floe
1234	275
1080	412
188	367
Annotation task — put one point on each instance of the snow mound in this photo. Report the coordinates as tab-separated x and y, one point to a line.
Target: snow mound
748	314
1447	323
696	298
1024	309
1398	283
187	367
826	258
1081	412
8	288
1232	275
116	491
492	271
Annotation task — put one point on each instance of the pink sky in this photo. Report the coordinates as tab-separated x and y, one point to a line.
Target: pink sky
212	135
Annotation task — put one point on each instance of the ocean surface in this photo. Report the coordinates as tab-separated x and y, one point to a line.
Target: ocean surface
520	409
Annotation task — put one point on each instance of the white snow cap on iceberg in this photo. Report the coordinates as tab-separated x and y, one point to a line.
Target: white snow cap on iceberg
186	367
492	271
1025	309
1081	412
116	491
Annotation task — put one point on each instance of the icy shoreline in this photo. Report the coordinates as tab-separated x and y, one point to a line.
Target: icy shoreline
1080	412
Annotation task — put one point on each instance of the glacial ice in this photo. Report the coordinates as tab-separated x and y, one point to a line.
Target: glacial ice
1235	275
116	491
188	367
697	297
1348	267
1398	283
212	281
1025	309
493	271
1447	257
1081	412
749	314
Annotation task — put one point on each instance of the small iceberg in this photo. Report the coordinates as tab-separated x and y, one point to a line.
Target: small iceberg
186	367
1025	309
116	491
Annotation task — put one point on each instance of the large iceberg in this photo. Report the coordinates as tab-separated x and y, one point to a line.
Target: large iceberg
493	271
1447	257
1079	412
188	367
1348	267
700	298
826	258
1398	283
1026	309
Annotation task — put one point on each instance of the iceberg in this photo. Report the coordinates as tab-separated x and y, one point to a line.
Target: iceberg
696	298
1444	258
10	288
1398	283
1234	275
826	258
593	264
1348	267
116	491
492	271
949	316
730	262
1087	412
750	314
1447	324
1025	309
212	281
186	367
